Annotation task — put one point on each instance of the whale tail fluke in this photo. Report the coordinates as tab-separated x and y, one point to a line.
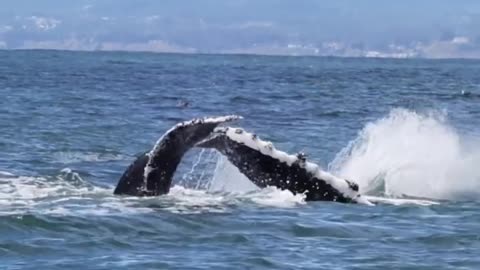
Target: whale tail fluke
151	173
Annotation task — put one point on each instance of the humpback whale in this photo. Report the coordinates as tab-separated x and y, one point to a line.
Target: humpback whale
266	166
151	173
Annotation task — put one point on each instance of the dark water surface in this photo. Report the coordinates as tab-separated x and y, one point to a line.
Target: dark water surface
71	122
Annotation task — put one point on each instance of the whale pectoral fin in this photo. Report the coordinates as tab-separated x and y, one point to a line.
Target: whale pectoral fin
264	165
151	174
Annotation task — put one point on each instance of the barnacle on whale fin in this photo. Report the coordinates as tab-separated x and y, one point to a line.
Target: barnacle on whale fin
352	185
302	157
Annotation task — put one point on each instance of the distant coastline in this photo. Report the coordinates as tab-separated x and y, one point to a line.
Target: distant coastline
242	53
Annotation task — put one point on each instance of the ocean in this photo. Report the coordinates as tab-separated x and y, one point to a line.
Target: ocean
406	130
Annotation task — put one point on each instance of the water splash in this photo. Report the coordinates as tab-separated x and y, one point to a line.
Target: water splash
228	184
228	178
200	173
407	153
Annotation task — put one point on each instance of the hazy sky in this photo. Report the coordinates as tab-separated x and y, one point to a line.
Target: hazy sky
382	28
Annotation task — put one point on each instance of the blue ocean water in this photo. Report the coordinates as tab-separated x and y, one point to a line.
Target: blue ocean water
408	131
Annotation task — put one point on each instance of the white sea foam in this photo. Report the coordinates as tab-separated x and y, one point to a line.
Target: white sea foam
272	196
25	194
5	174
407	153
397	201
70	195
75	157
28	188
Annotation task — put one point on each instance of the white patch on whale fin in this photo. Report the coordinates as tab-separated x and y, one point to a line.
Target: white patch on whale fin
253	141
206	120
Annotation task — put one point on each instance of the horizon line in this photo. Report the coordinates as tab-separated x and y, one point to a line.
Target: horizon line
249	54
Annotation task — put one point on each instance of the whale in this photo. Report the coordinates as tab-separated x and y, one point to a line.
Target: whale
265	166
151	173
